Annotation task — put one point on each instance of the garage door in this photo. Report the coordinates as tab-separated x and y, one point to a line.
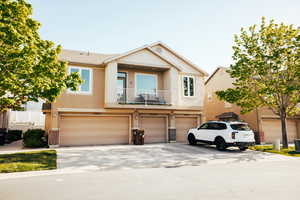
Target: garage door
155	129
272	130
90	130
183	124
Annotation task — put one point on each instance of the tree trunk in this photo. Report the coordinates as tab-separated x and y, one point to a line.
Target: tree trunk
285	143
3	119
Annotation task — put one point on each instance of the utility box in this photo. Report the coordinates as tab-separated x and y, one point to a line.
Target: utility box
276	145
297	145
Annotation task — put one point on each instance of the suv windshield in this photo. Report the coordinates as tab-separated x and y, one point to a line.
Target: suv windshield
240	127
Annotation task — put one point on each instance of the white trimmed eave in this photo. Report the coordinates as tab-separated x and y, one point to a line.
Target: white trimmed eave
123	54
165	59
180	57
146	47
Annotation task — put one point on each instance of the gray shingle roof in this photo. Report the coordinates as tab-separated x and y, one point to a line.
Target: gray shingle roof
83	57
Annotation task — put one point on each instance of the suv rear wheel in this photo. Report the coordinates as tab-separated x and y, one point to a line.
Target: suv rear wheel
192	139
220	144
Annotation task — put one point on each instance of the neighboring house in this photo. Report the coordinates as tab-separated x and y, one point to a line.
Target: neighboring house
262	120
31	118
151	88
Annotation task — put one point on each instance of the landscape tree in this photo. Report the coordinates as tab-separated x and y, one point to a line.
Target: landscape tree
266	70
29	66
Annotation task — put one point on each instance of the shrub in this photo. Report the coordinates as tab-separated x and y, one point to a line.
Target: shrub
35	138
13	135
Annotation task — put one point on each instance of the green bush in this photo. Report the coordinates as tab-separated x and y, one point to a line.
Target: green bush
13	135
35	138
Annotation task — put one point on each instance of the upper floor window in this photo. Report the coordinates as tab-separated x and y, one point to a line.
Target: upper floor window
145	84
86	77
188	86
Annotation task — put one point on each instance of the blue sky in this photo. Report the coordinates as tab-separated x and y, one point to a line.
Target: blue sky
201	30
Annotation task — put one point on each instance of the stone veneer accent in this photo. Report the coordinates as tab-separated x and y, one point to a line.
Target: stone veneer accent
172	134
53	137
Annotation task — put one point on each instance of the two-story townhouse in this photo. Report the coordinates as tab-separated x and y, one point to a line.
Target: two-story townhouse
262	120
151	88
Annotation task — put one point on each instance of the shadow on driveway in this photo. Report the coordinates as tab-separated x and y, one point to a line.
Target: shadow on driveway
115	157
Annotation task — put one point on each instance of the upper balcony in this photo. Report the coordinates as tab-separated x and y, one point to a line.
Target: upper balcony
144	87
143	97
128	86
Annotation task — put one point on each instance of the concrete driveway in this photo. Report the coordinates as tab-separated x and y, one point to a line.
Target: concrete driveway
174	155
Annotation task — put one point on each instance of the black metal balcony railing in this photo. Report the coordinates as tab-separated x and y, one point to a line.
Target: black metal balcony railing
143	97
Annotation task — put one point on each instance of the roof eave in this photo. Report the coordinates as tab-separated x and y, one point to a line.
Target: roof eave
180	57
213	74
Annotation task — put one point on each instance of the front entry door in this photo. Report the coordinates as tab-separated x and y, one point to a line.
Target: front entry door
122	84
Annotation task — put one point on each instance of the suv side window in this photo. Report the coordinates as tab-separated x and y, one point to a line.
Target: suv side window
204	126
216	126
222	126
213	126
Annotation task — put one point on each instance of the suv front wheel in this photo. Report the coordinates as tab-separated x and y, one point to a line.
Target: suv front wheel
192	139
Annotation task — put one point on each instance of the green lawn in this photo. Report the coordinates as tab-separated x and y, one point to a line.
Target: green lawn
28	161
269	148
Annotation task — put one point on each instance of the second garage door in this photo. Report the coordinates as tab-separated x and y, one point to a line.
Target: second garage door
272	130
90	130
155	129
183	124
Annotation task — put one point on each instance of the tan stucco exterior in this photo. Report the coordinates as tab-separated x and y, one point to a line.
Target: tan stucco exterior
259	120
164	64
94	100
214	107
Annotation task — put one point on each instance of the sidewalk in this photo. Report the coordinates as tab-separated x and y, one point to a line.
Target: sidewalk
16	147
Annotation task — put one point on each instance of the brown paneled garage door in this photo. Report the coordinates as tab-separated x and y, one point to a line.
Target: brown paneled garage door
93	130
272	130
183	124
155	129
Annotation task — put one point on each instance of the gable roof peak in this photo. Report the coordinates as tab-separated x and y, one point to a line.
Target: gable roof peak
187	61
213	74
149	47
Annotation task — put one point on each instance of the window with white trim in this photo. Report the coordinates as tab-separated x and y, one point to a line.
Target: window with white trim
86	77
188	86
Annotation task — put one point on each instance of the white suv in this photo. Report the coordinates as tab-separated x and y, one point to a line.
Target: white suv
223	134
